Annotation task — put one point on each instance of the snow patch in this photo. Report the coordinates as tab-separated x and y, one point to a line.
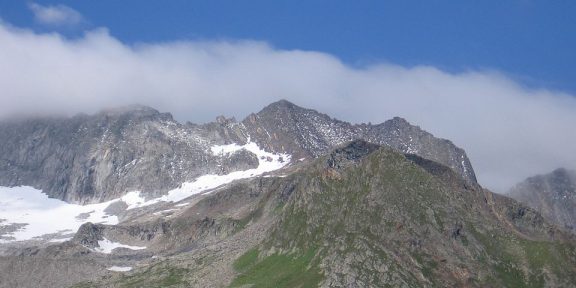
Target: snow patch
119	268
411	150
464	168
267	162
133	200
107	246
60	240
226	149
43	215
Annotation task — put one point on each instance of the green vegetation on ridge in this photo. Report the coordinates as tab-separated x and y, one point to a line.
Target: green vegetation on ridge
277	270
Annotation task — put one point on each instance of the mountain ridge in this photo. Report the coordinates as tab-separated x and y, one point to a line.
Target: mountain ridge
361	215
94	158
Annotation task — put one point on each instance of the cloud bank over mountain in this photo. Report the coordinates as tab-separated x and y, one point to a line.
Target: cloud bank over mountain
509	131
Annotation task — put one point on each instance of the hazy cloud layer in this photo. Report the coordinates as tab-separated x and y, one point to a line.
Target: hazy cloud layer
509	132
56	15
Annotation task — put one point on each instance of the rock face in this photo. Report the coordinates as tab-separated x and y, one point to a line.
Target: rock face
95	158
553	195
87	159
283	126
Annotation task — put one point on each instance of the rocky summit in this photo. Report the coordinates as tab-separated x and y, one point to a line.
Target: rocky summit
288	197
553	195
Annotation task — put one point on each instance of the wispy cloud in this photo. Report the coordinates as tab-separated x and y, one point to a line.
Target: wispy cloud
55	15
509	131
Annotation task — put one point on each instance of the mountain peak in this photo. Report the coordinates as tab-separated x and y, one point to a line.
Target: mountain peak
563	172
285	112
398	119
399	122
280	105
307	132
552	194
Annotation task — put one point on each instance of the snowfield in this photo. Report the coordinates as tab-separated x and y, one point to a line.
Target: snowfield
44	218
119	268
267	162
43	215
107	246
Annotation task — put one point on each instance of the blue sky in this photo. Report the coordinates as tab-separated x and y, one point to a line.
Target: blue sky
495	77
531	41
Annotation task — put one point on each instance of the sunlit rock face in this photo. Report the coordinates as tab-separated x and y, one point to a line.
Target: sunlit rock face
285	127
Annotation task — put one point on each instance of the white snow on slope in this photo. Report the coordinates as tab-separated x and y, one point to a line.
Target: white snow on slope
119	268
229	149
107	246
267	162
60	240
43	215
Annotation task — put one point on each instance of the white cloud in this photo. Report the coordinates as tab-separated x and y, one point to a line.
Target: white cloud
509	131
57	15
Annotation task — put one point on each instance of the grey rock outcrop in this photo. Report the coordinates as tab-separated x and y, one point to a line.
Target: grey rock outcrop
553	195
96	158
350	153
89	234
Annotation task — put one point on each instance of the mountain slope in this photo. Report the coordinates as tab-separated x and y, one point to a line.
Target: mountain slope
387	221
365	216
86	159
385	205
553	194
